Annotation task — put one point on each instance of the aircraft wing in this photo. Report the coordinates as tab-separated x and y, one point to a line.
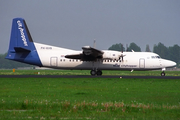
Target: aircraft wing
88	54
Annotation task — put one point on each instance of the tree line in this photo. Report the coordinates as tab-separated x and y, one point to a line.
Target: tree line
170	53
9	64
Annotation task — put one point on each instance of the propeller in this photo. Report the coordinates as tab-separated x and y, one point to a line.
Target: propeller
121	56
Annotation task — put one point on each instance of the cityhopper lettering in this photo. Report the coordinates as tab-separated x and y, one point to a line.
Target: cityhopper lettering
22	33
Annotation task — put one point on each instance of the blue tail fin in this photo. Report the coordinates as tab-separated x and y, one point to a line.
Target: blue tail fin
21	46
21	39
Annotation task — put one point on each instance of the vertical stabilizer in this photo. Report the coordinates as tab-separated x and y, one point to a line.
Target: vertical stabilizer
21	46
20	37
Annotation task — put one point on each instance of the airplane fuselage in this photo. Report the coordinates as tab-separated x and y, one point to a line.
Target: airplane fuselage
54	57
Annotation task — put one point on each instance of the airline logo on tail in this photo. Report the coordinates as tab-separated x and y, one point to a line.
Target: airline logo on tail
22	33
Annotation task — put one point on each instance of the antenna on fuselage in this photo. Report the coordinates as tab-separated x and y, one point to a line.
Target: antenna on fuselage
94	45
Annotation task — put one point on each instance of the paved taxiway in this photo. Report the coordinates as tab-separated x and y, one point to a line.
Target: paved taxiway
87	76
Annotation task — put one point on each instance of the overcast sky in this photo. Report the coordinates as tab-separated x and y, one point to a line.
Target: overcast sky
76	23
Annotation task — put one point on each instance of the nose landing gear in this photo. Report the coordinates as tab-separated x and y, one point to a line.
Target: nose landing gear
163	73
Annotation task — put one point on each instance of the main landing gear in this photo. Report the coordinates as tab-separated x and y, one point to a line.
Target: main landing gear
163	73
96	72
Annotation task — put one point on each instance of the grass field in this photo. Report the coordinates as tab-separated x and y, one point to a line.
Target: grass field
88	98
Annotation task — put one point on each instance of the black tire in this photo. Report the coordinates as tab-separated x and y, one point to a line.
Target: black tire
99	72
93	72
163	74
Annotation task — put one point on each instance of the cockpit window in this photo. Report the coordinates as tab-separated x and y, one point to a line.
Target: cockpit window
155	57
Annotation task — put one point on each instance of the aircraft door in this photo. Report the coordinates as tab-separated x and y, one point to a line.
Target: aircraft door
142	63
53	61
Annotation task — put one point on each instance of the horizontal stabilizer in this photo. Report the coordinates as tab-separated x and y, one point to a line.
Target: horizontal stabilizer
20	49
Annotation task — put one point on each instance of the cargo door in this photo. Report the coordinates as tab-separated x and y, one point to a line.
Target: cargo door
53	61
142	63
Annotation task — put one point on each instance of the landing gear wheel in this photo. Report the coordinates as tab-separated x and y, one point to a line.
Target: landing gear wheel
93	72
163	73
99	72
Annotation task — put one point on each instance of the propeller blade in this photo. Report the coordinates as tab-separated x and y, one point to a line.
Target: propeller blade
122	48
122	52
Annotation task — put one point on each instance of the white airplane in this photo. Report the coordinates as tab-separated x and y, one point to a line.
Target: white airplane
23	49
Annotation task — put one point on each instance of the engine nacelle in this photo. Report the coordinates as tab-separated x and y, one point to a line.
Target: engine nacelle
111	56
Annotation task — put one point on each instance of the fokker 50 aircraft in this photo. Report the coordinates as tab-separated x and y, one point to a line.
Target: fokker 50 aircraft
23	49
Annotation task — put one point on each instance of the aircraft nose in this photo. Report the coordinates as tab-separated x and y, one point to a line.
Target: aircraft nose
173	63
169	63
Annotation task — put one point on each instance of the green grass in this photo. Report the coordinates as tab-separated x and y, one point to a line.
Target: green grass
89	98
86	72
